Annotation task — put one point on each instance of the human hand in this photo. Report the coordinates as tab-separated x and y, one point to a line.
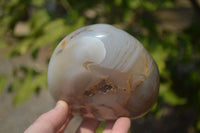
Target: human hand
57	119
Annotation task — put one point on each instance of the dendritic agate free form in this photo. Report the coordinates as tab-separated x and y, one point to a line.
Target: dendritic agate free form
104	73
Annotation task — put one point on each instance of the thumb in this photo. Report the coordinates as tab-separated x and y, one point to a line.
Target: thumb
51	121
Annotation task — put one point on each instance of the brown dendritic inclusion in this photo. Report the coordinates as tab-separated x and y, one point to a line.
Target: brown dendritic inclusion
104	86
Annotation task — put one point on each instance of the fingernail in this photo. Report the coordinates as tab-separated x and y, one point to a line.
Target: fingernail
61	104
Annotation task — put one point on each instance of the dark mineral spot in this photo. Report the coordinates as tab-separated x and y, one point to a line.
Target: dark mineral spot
124	89
105	88
88	93
59	51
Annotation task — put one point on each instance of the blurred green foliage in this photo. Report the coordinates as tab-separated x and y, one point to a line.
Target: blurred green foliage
45	22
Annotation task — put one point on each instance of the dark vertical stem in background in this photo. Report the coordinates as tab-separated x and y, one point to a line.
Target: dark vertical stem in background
196	6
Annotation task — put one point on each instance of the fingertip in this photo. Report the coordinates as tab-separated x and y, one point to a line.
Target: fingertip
62	104
122	125
125	120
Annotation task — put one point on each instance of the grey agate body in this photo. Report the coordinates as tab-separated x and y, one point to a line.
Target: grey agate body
103	73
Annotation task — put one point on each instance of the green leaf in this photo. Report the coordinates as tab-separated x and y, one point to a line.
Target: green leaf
168	4
40	18
38	3
150	6
134	4
128	16
29	86
24	46
118	2
169	96
160	55
101	127
52	31
198	125
5	24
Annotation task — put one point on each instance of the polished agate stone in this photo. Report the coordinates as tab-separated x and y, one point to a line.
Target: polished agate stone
104	73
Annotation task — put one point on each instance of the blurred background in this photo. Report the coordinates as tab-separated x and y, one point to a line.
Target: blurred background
169	29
